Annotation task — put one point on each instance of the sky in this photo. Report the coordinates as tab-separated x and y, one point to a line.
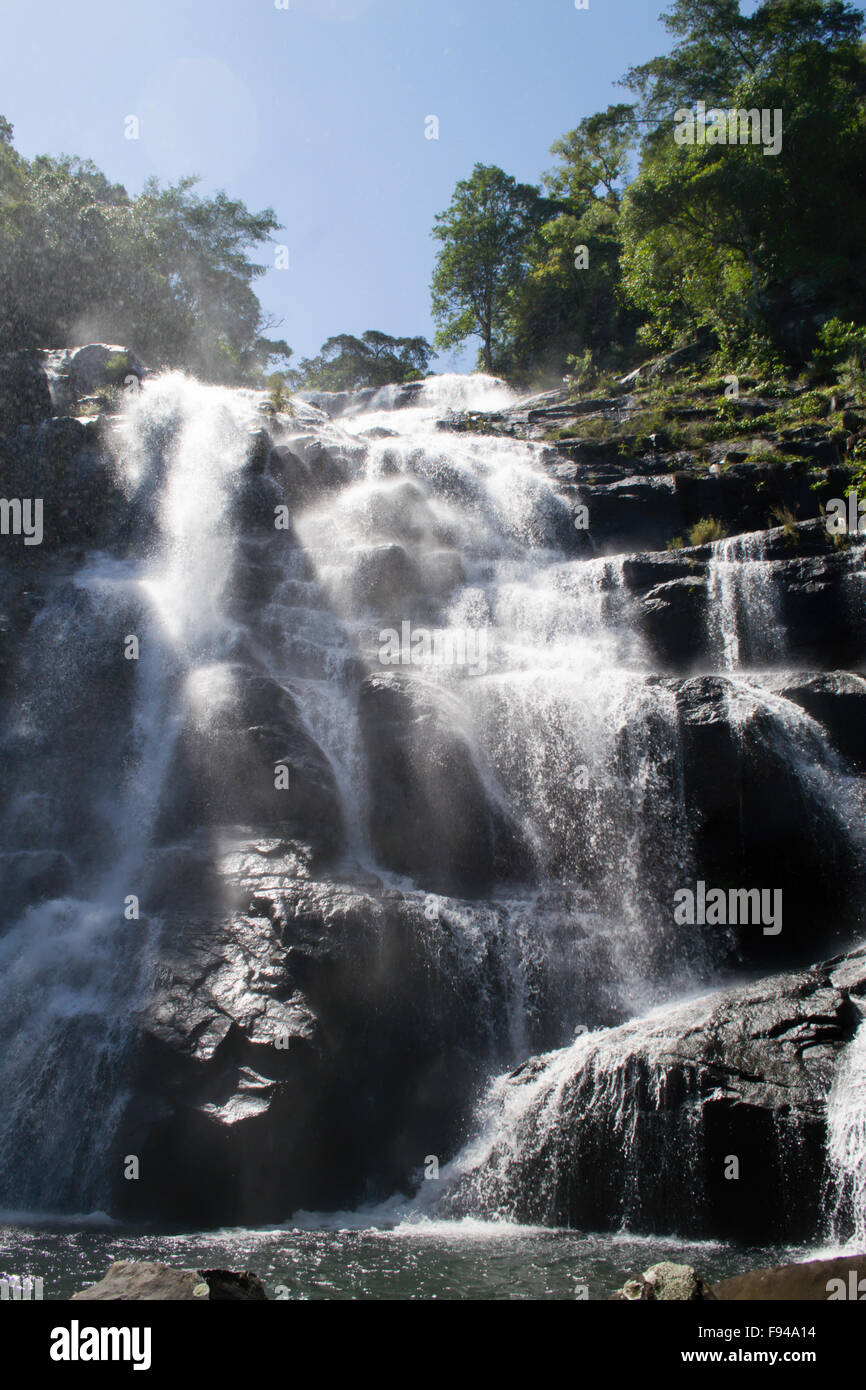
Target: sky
319	109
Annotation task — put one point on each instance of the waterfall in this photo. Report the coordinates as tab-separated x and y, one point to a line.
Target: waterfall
475	728
576	1121
744	604
466	534
846	1146
75	968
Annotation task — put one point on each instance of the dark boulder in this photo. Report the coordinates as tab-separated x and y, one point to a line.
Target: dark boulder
837	701
672	618
310	1049
757	820
227	1286
432	815
246	757
60	462
25	398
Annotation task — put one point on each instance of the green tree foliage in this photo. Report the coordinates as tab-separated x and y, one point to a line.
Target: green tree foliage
346	363
483	259
168	272
568	302
757	247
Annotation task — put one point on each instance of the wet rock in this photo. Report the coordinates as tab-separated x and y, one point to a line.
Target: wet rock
149	1281
225	1285
292	474
838	702
25	398
818	590
638	1126
814	1281
254	505
246	757
664	1283
673	620
309	1049
327	465
382	580
259	453
59	462
738	752
336	403
431	814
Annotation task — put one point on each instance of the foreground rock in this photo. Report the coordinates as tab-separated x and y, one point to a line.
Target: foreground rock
840	1279
665	1283
815	1281
149	1281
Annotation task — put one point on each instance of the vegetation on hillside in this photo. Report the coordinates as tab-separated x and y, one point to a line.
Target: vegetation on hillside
638	242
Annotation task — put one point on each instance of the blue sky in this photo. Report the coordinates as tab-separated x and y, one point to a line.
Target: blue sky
319	111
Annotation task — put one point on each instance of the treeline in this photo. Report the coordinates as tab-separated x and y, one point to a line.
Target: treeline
649	230
168	272
346	363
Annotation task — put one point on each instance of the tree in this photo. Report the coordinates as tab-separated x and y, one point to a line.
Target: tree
483	258
569	304
594	156
721	47
375	359
169	272
757	247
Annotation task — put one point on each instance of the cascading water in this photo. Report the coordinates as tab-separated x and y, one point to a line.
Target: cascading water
434	569
744	603
462	534
574	1113
75	968
846	1124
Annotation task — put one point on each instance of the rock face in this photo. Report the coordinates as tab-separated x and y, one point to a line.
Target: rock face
431	816
136	1281
24	395
254	763
737	752
36	385
814	588
311	1049
707	1119
837	701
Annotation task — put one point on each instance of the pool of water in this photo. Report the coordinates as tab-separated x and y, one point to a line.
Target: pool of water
340	1258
